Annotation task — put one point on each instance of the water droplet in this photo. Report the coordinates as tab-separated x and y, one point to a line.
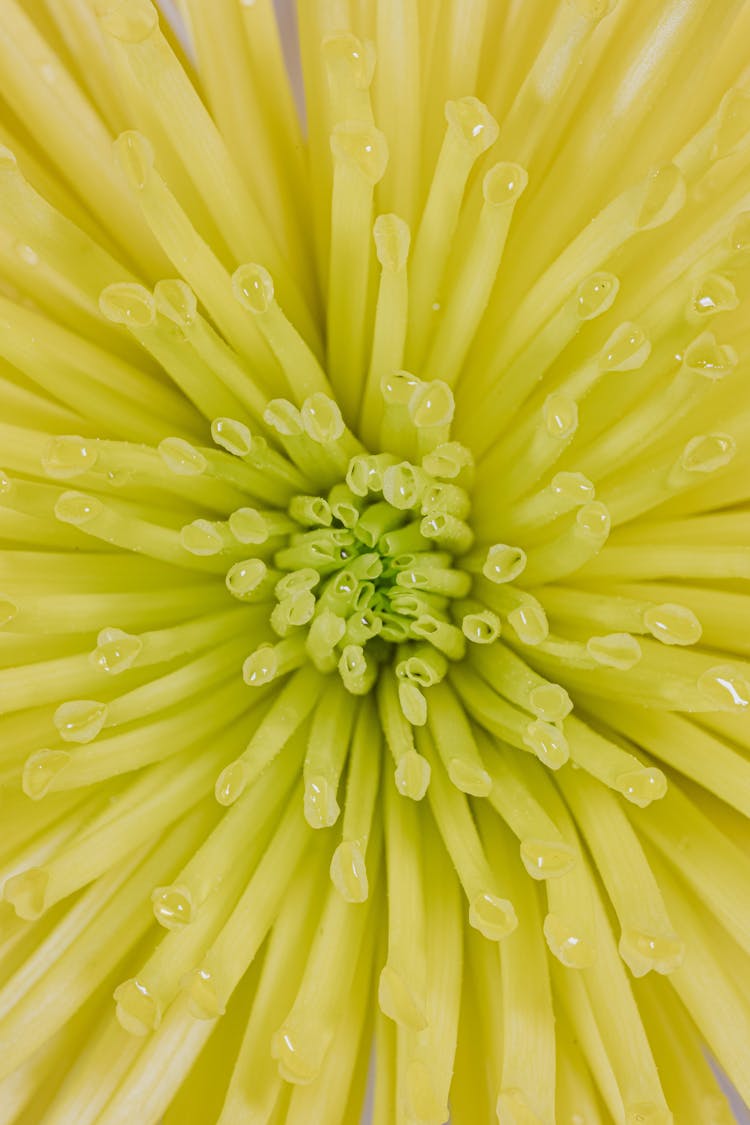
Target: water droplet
492	916
81	720
593	521
354	57
574	488
322	418
129	304
261	666
550	702
567	943
711	295
545	859
673	624
642	952
299	1051
615	650
392	238
471	122
181	457
116	651
68	456
726	686
596	294
504	184
348	871
172	906
413	703
548	743
432	404
231	783
252	285
627	349
560	415
233	436
203	996
248	526
77	509
708	452
321	804
706	357
201	538
137	1011
284	417
361	145
412	775
40	771
245	577
397	387
469	777
641	786
27	893
129	20
176	301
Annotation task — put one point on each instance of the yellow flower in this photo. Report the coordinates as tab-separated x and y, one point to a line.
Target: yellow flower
374	539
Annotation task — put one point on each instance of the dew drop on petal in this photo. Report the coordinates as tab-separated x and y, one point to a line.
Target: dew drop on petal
547	859
137	1010
567	943
182	458
40	771
412	775
77	509
81	720
643	952
172	906
672	624
492	916
348	871
641	786
726	686
116	651
27	893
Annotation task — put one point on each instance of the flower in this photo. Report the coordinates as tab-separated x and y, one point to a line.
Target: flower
374	548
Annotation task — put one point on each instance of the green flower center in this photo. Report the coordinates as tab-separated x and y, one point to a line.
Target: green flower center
370	566
365	572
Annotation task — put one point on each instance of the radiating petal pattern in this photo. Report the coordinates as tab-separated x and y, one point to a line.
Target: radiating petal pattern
374	559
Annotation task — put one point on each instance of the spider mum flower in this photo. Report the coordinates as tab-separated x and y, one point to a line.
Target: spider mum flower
373	563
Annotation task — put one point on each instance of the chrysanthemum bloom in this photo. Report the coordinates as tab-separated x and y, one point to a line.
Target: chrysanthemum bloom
374	554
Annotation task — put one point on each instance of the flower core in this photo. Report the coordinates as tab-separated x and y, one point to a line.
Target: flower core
374	525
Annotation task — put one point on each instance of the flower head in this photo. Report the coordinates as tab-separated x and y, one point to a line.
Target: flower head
373	549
